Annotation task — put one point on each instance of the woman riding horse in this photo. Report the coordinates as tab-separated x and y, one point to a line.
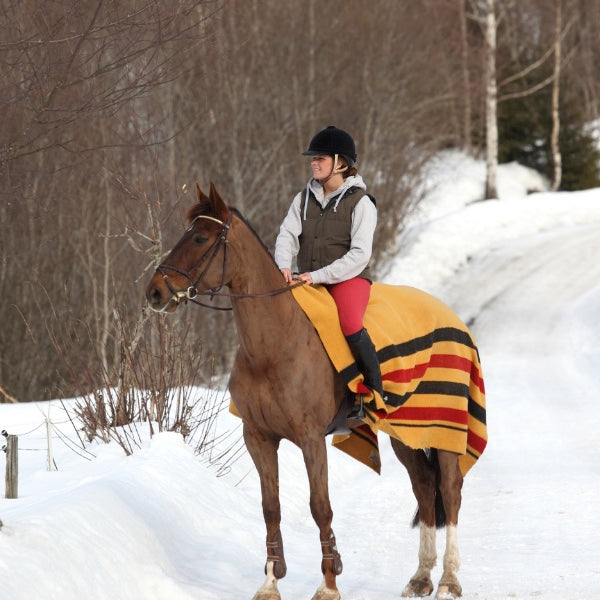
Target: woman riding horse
272	386
329	231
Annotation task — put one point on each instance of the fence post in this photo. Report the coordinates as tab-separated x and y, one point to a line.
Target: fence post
12	465
50	460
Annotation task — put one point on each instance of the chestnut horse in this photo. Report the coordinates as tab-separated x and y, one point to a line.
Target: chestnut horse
275	400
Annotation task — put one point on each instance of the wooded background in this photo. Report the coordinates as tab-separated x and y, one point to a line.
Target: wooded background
113	109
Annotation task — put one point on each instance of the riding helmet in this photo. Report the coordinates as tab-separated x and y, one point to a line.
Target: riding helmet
331	141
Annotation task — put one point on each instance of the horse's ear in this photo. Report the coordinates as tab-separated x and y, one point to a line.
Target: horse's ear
218	205
202	197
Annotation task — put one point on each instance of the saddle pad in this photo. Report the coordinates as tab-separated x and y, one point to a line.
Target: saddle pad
435	396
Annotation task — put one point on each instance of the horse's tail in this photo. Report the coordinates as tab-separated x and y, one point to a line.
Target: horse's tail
440	512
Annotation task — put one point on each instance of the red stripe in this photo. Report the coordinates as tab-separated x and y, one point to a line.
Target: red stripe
450	361
476	442
406	375
477	379
443	361
410	413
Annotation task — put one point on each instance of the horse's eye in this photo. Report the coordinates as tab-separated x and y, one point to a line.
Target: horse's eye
200	239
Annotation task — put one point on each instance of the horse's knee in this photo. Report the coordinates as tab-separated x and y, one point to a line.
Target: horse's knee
320	509
272	512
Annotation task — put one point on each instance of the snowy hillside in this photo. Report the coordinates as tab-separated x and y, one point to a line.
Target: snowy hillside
523	271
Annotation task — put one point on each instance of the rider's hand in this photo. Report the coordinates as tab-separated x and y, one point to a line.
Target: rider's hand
305	278
287	275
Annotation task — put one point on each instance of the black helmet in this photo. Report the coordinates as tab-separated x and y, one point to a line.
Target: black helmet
331	141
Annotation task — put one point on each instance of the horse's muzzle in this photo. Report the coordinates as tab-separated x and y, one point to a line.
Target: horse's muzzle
160	298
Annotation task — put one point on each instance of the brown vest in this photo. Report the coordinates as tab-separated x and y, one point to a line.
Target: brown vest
325	233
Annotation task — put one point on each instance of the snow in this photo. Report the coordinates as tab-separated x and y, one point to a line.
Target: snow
523	271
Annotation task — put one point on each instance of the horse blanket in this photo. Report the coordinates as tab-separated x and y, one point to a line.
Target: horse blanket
435	396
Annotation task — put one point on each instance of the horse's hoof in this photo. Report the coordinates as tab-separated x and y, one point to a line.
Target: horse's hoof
448	591
325	593
267	596
418	588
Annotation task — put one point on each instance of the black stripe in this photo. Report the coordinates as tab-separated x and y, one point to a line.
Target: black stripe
443	334
443	388
438	388
477	411
373	443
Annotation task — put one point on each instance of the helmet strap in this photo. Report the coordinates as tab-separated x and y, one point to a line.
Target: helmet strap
334	171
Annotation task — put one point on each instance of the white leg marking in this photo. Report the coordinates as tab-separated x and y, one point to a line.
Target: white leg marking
270	584
324	593
427	551
420	583
449	587
451	556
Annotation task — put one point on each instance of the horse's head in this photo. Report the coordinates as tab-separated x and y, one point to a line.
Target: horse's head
198	261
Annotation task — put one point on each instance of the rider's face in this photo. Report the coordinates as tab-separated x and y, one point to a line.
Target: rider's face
321	166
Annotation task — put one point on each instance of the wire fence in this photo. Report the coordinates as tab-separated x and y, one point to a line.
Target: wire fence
57	431
49	430
38	437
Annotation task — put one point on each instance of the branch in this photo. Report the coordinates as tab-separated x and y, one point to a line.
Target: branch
527	92
8	396
538	62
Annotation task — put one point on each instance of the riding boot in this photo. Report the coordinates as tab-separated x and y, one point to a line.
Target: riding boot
364	352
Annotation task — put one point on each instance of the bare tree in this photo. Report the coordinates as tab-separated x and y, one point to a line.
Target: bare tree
113	109
76	77
556	154
466	84
491	190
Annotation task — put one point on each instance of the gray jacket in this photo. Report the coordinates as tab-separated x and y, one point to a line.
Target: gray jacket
364	220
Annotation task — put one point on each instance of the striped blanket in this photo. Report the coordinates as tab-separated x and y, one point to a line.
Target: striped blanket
430	368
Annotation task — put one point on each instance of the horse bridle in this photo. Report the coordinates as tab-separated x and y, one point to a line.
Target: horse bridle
192	291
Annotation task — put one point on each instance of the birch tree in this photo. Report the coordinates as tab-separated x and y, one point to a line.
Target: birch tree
491	119
556	154
466	84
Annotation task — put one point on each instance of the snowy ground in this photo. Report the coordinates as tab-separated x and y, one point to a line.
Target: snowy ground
524	272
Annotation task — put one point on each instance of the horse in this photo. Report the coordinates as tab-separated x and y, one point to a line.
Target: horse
220	253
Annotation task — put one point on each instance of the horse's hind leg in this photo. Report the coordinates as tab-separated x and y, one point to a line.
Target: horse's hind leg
451	481
263	451
315	459
423	479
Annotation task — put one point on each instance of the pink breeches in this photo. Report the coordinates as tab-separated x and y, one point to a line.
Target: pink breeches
351	298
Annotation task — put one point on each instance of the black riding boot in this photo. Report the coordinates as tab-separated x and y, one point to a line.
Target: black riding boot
364	352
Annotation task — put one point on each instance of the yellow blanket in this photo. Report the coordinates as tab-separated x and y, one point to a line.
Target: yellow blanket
430	368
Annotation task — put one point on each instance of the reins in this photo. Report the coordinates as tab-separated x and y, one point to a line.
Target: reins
192	292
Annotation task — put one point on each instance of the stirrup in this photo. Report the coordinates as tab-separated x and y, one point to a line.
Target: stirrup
357	415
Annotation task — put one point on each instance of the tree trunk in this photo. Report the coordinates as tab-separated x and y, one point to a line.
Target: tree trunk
464	60
556	155
491	104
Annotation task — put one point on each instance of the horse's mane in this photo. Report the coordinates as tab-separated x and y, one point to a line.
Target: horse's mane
204	208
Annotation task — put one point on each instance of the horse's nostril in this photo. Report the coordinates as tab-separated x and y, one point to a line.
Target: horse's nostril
154	296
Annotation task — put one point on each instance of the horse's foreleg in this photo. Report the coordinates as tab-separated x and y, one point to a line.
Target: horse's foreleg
315	458
423	480
451	481
263	451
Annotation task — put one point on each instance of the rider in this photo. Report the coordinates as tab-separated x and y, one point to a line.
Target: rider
329	231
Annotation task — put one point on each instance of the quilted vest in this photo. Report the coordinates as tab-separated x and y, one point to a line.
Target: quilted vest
325	233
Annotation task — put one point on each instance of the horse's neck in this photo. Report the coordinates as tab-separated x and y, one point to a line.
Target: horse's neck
263	323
